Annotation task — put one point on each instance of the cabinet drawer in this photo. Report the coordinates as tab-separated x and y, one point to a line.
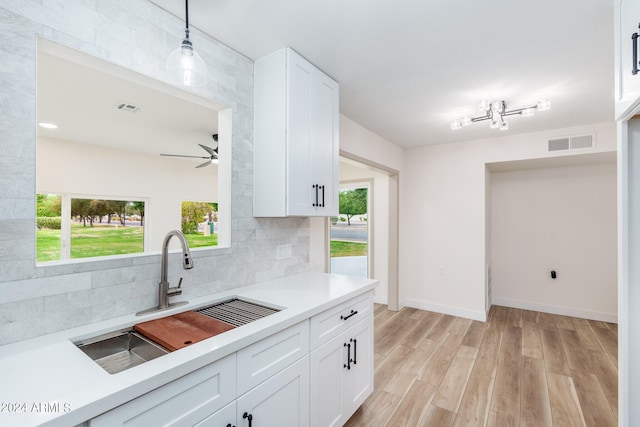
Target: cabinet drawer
183	402
330	323
267	357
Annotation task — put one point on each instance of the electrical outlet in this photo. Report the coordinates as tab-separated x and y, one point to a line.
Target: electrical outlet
283	251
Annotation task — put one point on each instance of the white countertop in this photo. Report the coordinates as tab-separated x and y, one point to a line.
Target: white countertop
51	382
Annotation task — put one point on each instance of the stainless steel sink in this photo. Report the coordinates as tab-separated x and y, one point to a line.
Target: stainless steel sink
121	350
126	348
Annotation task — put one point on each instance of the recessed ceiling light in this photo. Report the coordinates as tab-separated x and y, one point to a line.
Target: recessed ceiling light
48	125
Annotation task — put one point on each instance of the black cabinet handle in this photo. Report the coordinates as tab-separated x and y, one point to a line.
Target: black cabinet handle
634	47
323	196
248	417
316	187
348	364
229	425
355	349
353	313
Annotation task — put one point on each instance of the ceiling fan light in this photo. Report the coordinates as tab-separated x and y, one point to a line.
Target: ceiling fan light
483	106
466	121
456	124
494	124
504	125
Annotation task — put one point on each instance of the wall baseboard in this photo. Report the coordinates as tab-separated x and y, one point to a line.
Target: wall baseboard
381	299
445	309
553	309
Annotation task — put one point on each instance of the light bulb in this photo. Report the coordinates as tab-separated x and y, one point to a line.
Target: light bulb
497	106
544	105
494	124
48	125
185	66
465	121
484	105
456	124
528	112
504	125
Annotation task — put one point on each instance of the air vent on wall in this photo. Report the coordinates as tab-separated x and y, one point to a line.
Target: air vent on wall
580	142
125	106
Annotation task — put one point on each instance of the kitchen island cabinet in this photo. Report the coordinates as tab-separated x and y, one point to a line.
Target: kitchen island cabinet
342	367
206	383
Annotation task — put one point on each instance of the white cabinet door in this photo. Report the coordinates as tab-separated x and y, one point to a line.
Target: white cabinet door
342	375
323	167
627	23
359	379
328	367
300	88
282	400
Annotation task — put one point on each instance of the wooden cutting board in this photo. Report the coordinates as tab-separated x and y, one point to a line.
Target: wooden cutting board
183	329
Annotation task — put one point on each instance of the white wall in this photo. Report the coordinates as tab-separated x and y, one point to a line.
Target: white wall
74	168
360	141
562	219
356	140
443	223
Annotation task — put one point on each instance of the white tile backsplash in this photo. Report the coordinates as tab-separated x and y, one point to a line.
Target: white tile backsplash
139	35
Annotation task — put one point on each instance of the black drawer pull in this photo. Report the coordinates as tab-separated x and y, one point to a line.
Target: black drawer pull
353	313
323	196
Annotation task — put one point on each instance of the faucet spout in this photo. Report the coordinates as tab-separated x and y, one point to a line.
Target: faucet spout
187	263
164	291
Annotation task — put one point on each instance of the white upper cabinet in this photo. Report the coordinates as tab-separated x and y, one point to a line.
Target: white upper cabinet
627	55
295	138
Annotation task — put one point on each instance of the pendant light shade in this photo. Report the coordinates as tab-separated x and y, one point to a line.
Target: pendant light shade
184	65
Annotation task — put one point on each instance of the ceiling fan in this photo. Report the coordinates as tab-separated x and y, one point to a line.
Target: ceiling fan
212	158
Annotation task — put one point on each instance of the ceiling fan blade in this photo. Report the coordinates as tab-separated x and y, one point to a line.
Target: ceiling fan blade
180	155
208	149
207	163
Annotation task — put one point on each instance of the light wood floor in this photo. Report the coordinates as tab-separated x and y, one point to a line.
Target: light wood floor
521	368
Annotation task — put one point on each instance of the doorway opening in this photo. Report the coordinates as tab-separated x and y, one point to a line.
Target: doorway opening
350	230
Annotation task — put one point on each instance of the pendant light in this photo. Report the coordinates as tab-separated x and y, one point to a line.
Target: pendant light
184	65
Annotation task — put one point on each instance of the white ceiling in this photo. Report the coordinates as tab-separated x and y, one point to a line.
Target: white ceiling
407	68
79	93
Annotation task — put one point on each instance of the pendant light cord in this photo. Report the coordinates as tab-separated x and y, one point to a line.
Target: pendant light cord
186	12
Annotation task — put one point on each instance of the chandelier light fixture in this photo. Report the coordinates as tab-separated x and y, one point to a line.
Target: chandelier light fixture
496	111
184	65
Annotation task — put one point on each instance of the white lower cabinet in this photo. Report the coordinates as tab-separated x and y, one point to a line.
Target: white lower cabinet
183	402
282	400
342	375
273	382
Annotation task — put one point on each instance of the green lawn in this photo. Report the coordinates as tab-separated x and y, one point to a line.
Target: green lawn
339	248
102	240
200	240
